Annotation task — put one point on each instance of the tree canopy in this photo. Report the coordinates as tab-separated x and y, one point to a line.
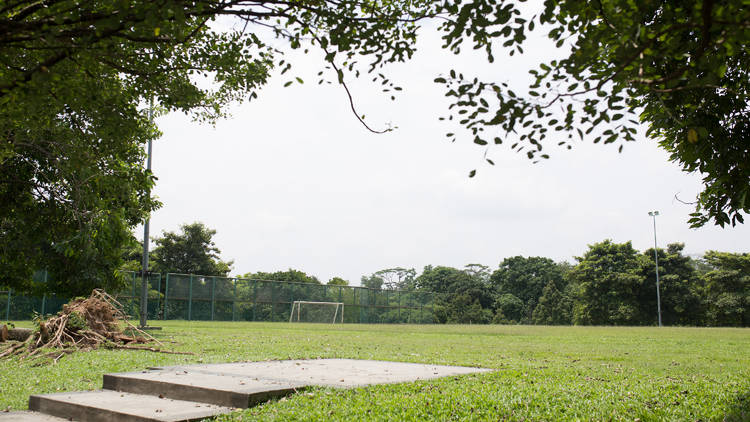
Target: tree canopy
679	68
290	275
524	278
192	251
75	78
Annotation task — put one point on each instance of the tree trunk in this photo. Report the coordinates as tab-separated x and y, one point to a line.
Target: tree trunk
19	334
3	333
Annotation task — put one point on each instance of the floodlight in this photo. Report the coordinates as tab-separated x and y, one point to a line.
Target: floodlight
656	261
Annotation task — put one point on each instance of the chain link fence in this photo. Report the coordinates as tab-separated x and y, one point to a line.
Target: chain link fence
207	298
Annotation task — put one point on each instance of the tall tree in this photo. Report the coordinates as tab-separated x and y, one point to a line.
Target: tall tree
73	79
607	279
397	278
728	288
679	287
458	291
554	307
290	275
372	281
525	279
337	281
192	251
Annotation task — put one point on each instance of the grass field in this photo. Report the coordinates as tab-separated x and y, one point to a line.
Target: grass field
542	373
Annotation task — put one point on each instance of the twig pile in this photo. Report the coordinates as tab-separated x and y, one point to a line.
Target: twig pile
83	324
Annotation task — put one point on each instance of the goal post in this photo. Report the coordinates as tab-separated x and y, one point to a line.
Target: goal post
323	312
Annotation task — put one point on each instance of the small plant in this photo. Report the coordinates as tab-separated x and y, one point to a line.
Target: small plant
76	321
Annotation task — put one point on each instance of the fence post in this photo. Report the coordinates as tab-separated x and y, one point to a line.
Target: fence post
432	307
421	304
7	309
44	300
255	293
399	306
213	296
355	302
234	302
166	295
190	299
273	300
159	301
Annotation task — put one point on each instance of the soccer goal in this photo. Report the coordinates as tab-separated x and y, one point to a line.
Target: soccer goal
325	312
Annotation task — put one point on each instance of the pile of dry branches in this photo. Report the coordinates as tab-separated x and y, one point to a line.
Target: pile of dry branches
83	324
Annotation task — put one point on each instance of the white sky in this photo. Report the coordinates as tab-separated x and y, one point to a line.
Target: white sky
292	180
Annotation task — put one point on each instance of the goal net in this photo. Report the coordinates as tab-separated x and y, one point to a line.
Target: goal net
324	312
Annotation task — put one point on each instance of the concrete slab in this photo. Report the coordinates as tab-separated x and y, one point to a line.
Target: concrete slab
194	392
107	406
345	373
184	383
28	417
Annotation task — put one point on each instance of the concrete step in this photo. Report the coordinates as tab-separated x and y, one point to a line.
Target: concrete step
184	383
28	417
108	406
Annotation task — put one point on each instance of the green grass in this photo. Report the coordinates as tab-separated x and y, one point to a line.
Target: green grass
542	373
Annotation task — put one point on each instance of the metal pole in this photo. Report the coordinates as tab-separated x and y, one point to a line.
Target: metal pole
255	294
7	309
273	300
213	296
144	281
234	302
190	299
656	260
166	297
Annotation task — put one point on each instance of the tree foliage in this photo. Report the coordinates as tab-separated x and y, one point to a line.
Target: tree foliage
679	285
680	68
397	278
554	307
290	275
607	280
524	278
462	294
192	251
337	281
74	77
727	289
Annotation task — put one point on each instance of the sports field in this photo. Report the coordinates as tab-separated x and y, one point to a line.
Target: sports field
542	373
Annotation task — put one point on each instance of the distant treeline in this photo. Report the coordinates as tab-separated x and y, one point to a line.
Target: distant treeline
611	284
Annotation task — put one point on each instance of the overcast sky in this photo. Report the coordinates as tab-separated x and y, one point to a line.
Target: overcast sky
292	180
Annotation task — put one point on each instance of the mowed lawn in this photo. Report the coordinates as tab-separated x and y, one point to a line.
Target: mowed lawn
541	373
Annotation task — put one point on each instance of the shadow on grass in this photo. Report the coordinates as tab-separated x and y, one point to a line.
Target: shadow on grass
739	411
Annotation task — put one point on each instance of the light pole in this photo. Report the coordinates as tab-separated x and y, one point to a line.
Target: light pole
144	268
656	259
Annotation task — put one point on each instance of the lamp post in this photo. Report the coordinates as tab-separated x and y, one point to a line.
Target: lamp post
144	268
656	260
